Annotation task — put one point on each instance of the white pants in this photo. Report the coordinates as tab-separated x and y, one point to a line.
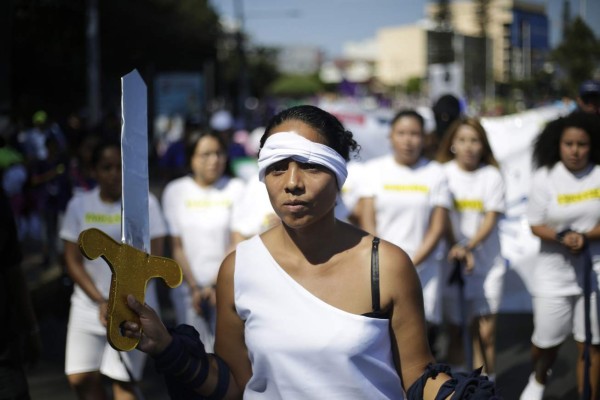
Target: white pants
87	348
555	318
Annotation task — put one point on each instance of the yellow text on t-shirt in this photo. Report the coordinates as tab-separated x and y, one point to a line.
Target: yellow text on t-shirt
468	205
105	219
406	188
207	203
587	195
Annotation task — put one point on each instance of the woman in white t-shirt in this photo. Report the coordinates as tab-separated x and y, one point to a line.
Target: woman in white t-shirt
478	196
564	212
352	193
406	201
252	212
198	208
88	354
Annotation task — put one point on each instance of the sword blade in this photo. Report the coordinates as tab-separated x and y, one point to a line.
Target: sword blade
134	157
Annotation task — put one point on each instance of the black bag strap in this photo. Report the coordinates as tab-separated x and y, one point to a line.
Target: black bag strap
375	275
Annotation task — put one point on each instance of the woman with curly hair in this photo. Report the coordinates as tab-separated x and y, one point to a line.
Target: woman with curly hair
564	212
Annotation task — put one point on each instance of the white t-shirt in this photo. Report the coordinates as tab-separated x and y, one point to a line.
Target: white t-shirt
474	194
87	211
404	198
253	213
354	185
301	347
561	200
202	218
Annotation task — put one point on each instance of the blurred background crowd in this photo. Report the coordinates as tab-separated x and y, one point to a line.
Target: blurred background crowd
513	64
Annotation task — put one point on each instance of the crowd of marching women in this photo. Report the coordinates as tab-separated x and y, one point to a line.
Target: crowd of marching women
440	203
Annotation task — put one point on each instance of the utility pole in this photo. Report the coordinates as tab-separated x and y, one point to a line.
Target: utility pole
243	89
93	64
6	18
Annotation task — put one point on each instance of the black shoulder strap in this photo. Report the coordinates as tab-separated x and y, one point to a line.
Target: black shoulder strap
375	274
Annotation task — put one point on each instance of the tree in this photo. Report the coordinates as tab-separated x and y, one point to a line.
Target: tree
296	86
440	39
443	15
413	85
49	49
482	15
47	55
577	55
263	70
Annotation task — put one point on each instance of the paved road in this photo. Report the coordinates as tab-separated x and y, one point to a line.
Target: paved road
47	381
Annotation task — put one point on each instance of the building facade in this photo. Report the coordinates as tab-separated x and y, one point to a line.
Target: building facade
518	32
517	42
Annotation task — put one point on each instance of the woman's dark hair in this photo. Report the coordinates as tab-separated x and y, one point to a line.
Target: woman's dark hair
328	126
546	148
192	142
445	111
99	149
409	114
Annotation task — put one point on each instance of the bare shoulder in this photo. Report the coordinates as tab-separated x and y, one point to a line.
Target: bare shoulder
398	275
394	260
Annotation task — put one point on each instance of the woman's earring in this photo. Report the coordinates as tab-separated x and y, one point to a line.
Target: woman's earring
452	149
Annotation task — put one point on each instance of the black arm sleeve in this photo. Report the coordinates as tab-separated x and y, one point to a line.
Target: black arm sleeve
185	365
462	386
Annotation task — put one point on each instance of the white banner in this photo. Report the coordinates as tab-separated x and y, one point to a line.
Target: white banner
511	138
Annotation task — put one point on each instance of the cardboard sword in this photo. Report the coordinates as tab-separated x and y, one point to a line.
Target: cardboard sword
130	262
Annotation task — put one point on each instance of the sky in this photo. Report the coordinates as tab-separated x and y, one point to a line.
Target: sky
328	24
